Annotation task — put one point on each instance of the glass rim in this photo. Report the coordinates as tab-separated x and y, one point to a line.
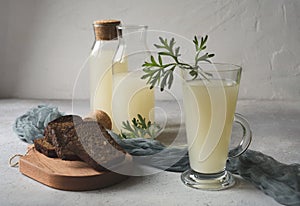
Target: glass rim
217	66
132	26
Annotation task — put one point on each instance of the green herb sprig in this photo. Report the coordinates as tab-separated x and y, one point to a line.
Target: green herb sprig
162	74
140	128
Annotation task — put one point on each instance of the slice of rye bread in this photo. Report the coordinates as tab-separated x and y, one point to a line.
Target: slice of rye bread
92	144
45	147
57	130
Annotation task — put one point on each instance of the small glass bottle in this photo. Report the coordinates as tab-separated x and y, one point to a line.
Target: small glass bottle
100	64
131	94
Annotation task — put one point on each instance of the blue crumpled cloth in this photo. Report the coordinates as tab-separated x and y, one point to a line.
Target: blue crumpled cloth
31	125
278	180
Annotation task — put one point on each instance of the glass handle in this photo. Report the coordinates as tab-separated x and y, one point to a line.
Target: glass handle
246	139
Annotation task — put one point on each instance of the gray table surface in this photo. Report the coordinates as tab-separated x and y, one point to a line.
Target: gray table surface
276	131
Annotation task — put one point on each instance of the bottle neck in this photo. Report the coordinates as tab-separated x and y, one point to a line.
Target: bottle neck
133	38
105	32
132	49
100	46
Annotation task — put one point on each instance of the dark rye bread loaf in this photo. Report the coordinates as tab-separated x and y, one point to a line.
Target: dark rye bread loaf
57	130
92	144
71	138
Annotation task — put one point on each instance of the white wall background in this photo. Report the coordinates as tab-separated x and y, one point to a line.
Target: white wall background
43	43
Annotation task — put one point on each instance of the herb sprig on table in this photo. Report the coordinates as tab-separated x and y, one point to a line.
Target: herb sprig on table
139	127
162	74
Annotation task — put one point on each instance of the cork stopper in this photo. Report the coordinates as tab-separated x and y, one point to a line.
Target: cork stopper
106	29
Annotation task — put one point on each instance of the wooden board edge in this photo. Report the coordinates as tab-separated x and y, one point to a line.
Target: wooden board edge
69	183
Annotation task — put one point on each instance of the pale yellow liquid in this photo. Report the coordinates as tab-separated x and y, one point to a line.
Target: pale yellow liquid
101	81
131	96
209	112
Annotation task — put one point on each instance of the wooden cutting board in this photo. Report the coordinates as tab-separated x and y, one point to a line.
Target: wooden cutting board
65	175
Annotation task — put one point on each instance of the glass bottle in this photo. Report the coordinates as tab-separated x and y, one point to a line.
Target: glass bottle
131	94
100	62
